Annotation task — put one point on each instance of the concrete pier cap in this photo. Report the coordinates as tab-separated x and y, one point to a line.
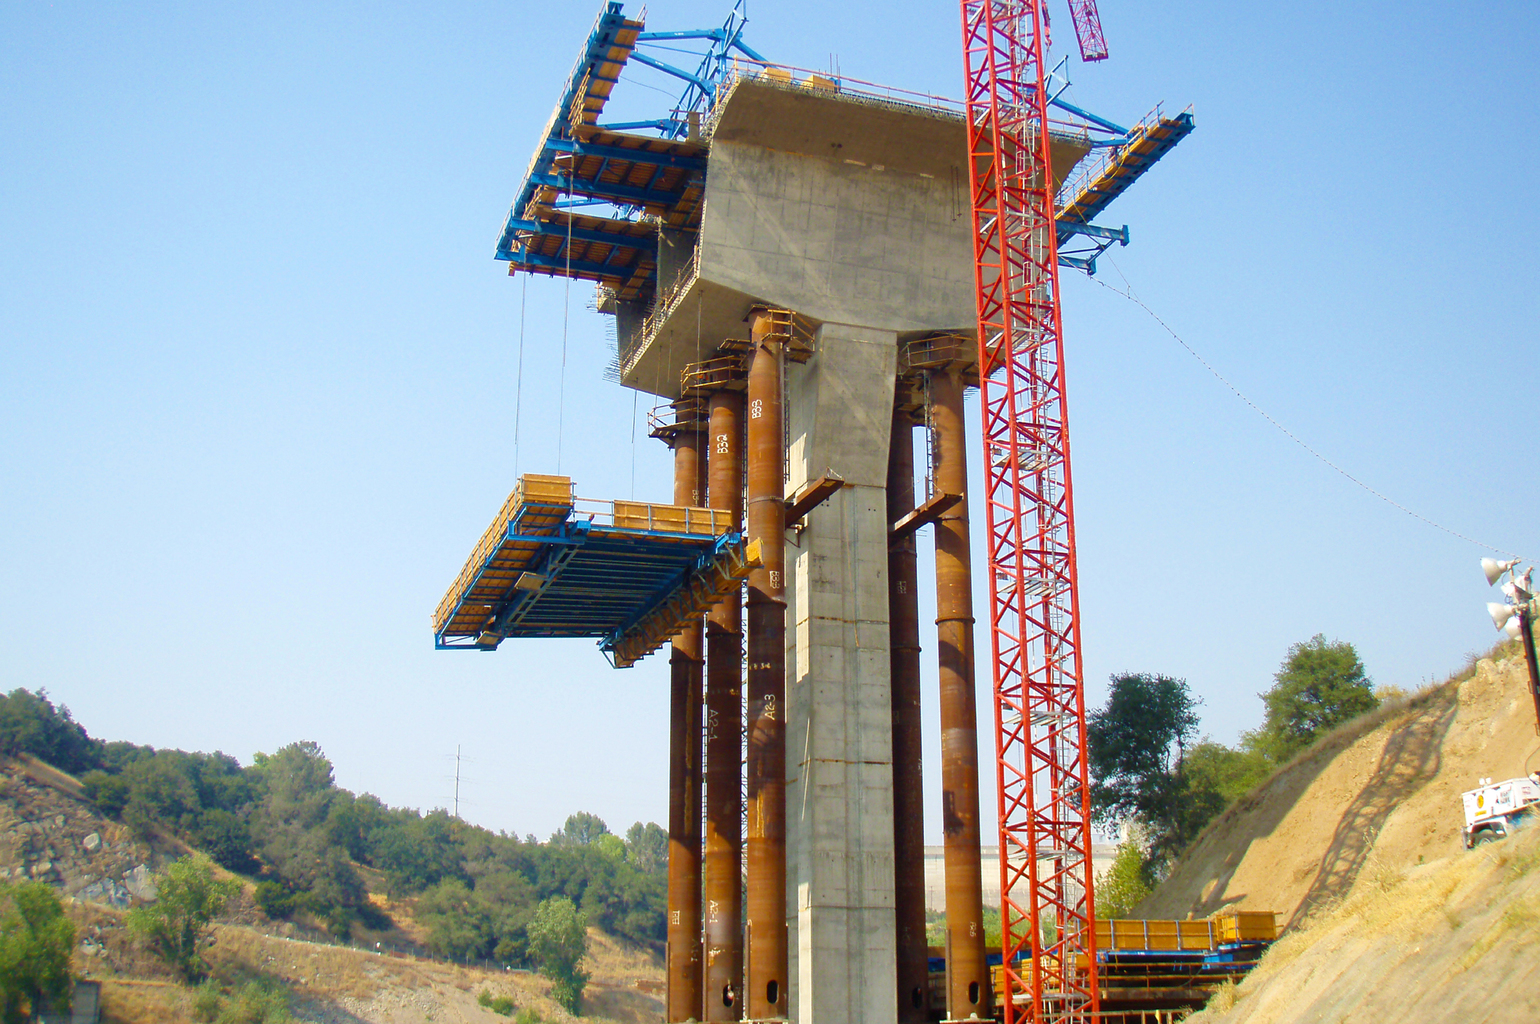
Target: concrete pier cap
844	207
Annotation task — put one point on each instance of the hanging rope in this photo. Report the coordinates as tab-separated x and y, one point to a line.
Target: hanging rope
518	386
566	314
1131	297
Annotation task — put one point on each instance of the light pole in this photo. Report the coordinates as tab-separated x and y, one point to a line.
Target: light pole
1517	619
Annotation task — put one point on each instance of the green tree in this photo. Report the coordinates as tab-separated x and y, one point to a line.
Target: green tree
36	940
31	724
558	940
459	926
647	847
1213	767
1135	748
188	898
1320	685
581	829
1125	883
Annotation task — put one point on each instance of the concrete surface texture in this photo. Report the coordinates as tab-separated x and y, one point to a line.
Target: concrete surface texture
842	209
839	762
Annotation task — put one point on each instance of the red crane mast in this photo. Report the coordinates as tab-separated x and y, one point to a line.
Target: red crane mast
1039	698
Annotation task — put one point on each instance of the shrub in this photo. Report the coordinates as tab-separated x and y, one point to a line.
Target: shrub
497	1004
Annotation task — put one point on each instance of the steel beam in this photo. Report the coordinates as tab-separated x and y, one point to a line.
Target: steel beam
723	883
968	985
765	521
686	664
913	965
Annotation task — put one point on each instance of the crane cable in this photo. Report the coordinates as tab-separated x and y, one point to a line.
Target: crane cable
566	313
1131	297
518	386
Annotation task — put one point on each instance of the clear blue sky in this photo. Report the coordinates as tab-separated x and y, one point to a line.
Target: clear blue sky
258	366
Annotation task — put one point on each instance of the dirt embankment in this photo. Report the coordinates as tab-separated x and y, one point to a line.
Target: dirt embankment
1383	790
1356	845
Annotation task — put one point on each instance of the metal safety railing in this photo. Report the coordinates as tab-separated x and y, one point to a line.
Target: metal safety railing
653	518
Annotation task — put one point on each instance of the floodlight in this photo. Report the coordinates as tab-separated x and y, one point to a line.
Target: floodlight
1500	613
1513	627
1493	568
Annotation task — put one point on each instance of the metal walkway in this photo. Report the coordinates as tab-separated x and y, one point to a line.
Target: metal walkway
630	573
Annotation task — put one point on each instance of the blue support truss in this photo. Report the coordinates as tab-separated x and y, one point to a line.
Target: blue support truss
715	50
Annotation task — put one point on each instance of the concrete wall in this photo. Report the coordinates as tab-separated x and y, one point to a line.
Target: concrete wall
839	797
839	242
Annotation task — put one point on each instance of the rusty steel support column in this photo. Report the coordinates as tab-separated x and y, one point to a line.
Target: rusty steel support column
968	985
723	996
765	521
684	781
908	780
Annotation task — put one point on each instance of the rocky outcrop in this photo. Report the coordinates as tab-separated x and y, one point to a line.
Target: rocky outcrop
49	835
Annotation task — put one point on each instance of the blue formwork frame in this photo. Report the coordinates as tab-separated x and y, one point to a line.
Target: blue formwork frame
1080	242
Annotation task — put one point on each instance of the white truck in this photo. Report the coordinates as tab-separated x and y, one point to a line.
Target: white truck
1495	809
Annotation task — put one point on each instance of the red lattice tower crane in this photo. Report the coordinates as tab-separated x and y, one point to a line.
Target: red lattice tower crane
1040	747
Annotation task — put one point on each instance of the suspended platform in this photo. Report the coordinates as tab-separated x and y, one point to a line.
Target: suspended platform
629	573
1098	183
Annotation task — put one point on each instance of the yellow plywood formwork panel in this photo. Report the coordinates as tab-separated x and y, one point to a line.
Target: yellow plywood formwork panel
703	522
1247	925
1228	926
550	500
1156	935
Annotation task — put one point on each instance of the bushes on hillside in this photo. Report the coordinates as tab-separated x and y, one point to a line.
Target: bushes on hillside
31	724
36	940
283	820
1145	769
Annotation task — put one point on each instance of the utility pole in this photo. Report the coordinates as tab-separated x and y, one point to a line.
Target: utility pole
457	780
1517	619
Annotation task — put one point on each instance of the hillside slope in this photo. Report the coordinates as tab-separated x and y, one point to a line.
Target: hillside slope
1382	791
1356	845
50	833
1446	943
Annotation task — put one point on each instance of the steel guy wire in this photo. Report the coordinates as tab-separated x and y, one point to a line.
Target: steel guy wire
1131	297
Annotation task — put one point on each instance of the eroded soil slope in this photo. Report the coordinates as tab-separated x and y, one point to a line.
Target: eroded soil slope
1357	847
1383	792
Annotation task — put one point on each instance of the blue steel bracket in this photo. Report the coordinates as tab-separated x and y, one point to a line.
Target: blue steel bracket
567	539
701	564
1091	240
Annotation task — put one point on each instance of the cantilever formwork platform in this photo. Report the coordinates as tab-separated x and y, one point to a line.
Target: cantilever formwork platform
628	572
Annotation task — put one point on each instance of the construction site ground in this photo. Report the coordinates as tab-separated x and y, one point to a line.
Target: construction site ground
1357	845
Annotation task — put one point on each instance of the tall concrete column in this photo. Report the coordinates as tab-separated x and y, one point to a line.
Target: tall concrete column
839	798
968	987
913	961
723	909
684	782
765	521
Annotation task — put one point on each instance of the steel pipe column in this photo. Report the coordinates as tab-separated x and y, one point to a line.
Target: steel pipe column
913	963
723	908
968	985
765	521
684	782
